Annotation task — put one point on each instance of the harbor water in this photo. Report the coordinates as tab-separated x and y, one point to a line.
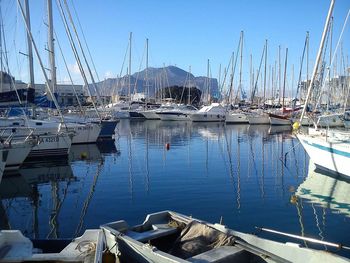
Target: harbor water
246	176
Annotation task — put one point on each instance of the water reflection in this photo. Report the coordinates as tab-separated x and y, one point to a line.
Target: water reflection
326	191
244	174
37	198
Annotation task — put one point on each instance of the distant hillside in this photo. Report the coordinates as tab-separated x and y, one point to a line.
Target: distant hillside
157	78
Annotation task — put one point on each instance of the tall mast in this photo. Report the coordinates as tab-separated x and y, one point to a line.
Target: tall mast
208	81
51	46
147	84
241	65
284	80
30	48
189	87
318	59
279	74
251	75
129	90
265	71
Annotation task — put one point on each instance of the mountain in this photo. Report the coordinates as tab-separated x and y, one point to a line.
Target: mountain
157	78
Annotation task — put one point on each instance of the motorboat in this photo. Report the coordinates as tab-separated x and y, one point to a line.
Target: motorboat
211	113
178	113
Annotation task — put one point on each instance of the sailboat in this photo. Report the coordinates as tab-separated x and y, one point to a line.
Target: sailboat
328	148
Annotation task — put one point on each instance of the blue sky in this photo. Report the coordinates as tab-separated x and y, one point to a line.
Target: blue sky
180	32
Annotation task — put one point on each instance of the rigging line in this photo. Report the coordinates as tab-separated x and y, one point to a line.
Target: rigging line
70	76
138	73
84	57
85	42
225	72
76	55
40	62
121	69
235	65
336	48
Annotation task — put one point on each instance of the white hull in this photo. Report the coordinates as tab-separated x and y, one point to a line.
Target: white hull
17	153
255	119
164	116
207	117
332	120
51	145
278	121
326	153
84	133
150	115
234	117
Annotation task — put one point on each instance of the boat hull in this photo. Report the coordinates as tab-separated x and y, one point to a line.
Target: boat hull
196	117
150	115
174	116
327	155
17	153
54	145
236	118
84	133
279	120
256	119
107	129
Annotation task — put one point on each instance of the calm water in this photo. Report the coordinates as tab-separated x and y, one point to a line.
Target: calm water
248	175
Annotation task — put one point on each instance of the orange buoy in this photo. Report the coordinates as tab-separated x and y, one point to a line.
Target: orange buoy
167	146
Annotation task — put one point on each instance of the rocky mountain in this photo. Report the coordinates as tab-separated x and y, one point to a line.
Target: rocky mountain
157	78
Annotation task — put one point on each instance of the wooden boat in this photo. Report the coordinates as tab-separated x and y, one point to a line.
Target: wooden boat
171	237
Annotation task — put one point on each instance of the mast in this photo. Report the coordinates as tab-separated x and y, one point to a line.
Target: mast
208	82
279	75
129	90
51	50
241	66
284	80
318	59
146	77
30	48
189	87
39	59
265	72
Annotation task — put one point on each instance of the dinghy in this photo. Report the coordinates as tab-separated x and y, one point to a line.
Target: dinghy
171	237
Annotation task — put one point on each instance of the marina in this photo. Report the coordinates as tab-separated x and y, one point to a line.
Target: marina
154	163
135	176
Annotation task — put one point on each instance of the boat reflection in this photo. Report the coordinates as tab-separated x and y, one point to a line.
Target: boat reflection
326	191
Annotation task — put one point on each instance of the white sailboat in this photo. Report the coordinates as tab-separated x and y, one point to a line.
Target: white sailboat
328	148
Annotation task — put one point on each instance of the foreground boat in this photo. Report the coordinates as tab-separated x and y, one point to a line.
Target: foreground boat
17	248
171	237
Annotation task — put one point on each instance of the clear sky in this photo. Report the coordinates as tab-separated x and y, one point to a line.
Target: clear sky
180	32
